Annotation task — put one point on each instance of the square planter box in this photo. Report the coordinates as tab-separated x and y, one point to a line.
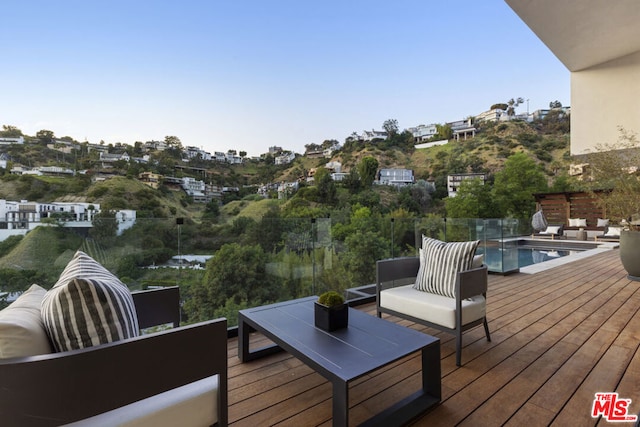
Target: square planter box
331	318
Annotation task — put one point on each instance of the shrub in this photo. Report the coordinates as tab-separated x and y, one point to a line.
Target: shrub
331	299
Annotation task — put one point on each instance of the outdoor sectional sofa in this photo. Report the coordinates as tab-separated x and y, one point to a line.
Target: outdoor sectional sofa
177	376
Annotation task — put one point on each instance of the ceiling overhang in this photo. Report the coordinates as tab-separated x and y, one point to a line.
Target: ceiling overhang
583	33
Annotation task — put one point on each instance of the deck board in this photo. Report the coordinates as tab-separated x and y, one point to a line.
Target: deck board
558	337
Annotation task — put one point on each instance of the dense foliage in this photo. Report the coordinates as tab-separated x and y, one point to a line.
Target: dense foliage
323	235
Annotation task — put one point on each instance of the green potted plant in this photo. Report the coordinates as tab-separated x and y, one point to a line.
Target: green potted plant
331	312
615	168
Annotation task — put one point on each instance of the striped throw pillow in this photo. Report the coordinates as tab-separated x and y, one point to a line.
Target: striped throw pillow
440	263
88	306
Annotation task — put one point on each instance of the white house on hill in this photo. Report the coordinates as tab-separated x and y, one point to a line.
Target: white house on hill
18	218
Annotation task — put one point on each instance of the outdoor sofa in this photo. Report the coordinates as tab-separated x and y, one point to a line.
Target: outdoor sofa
177	376
552	231
591	228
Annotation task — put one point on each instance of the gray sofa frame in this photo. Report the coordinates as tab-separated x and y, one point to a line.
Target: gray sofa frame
60	388
400	271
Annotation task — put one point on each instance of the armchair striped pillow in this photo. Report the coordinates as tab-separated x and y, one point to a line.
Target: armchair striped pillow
440	262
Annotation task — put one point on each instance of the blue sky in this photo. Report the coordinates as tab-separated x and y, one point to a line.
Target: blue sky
249	74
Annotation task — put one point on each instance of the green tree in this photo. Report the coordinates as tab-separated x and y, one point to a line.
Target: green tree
367	169
474	199
364	249
512	104
9	131
45	136
414	198
104	226
325	185
237	273
173	142
443	132
391	127
352	181
515	185
212	210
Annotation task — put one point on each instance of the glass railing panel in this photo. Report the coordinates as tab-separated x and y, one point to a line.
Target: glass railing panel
499	244
221	269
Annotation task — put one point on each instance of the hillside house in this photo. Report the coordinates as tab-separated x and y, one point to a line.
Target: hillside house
285	158
463	129
154	146
397	177
11	141
423	133
372	134
233	158
108	158
63	146
492	115
151	179
197	153
18	218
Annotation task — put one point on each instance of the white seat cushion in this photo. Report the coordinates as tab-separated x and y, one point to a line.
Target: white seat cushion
22	332
433	308
194	404
551	230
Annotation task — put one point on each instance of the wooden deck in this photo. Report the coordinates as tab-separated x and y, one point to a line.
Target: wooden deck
558	337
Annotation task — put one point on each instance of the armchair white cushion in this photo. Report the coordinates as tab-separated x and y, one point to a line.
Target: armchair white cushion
432	307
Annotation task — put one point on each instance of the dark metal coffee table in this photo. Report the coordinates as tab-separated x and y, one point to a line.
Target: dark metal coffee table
344	355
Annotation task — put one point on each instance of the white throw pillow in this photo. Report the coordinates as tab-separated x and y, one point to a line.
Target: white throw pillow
552	229
613	232
573	222
88	306
582	222
603	222
478	261
440	263
22	332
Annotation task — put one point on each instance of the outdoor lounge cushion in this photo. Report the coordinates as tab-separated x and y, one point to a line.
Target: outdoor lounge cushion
194	404
577	222
552	230
22	332
612	232
431	307
440	263
88	306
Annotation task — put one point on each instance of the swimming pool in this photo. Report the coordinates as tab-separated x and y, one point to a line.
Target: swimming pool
516	254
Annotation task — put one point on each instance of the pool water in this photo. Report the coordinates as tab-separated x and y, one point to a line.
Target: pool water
529	256
503	260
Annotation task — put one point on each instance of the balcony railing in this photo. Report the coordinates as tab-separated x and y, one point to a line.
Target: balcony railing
222	269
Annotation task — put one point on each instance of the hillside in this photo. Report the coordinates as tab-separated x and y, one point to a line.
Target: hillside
546	142
44	249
